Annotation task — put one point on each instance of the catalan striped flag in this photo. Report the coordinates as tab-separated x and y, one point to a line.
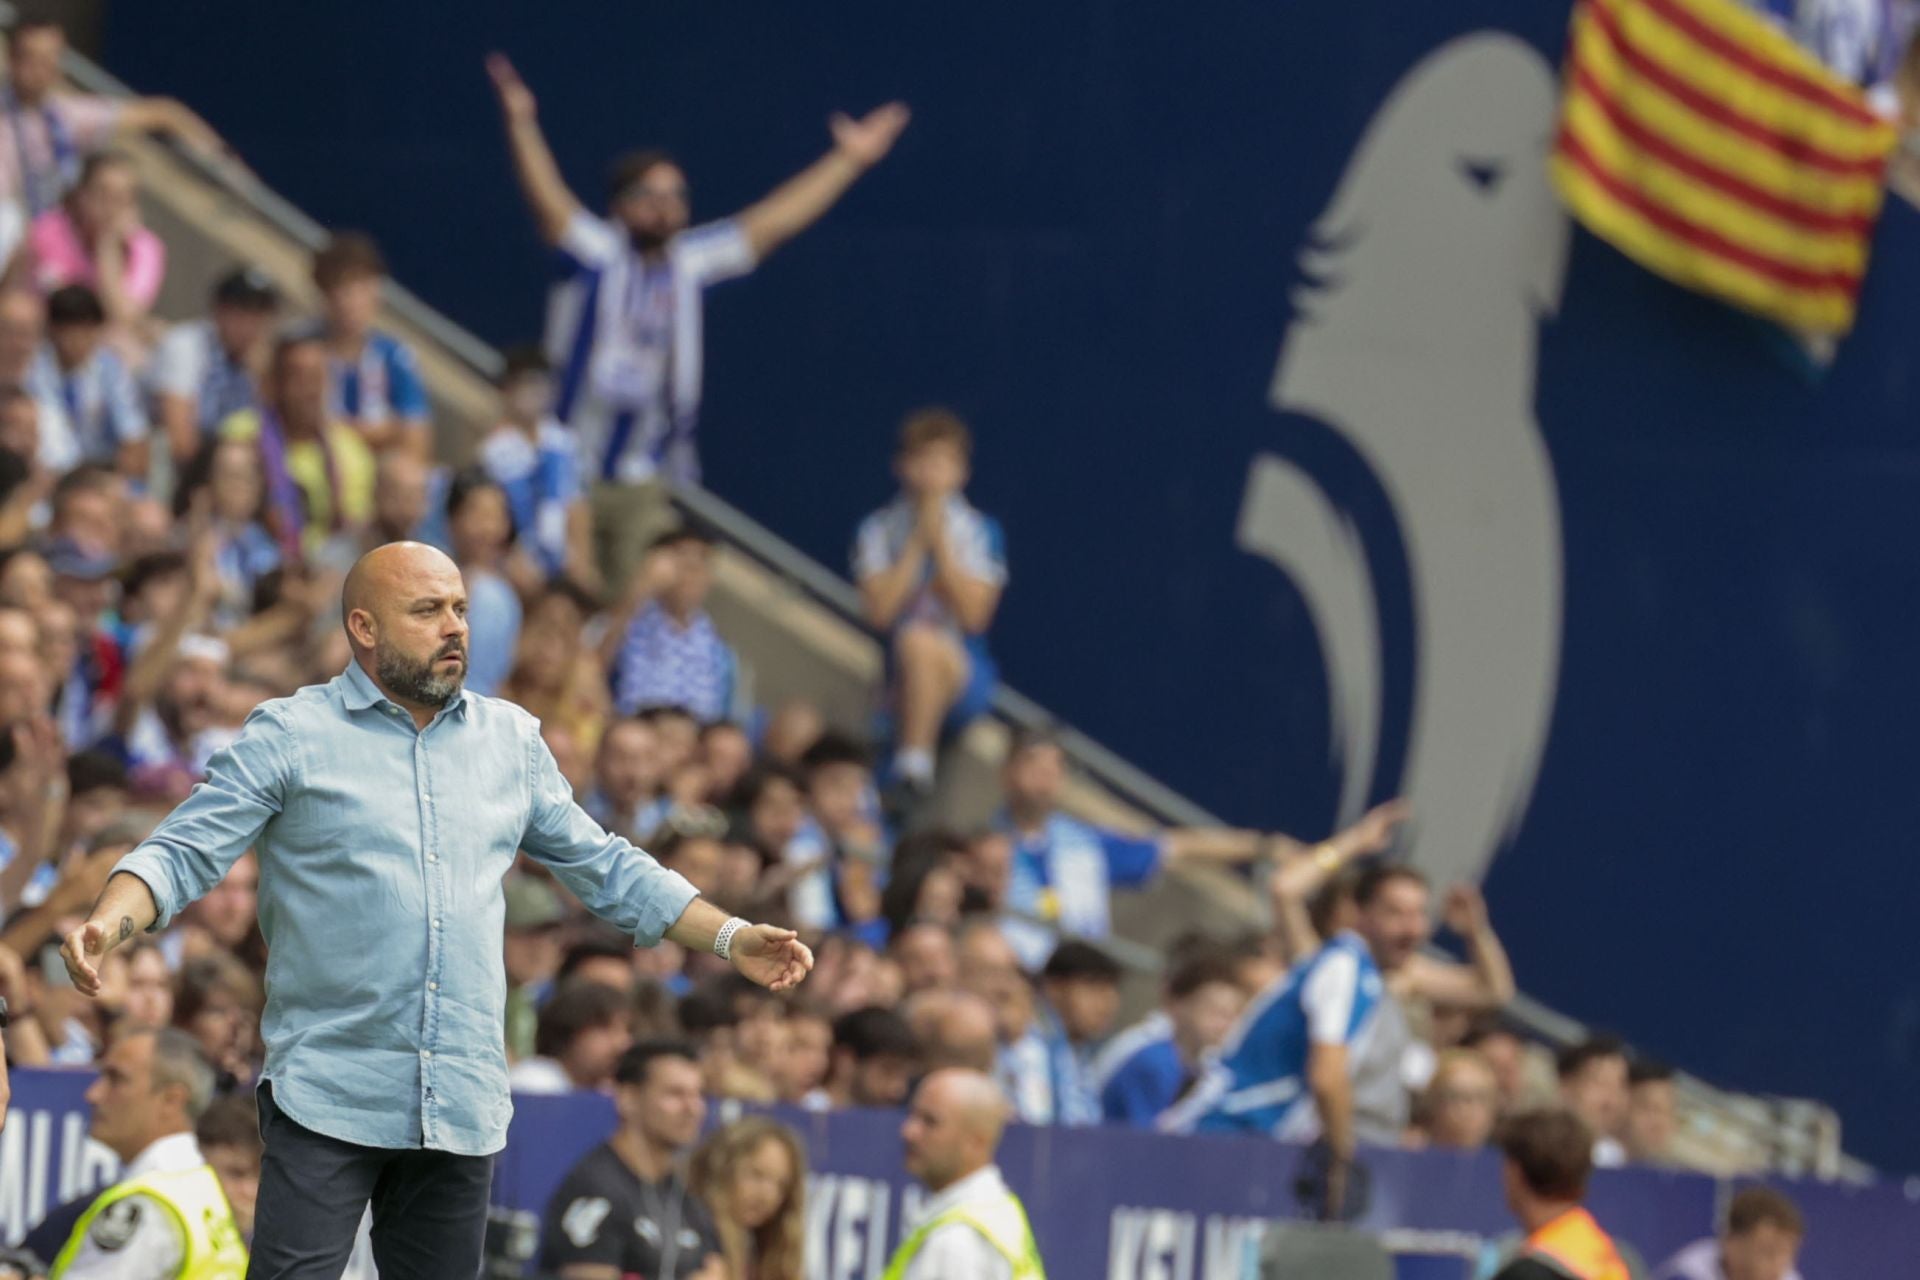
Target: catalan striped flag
1702	142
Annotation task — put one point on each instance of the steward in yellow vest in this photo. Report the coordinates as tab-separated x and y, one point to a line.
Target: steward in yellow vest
972	1227
173	1226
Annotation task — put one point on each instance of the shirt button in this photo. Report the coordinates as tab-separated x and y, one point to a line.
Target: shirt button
436	922
433	857
433	986
426	1053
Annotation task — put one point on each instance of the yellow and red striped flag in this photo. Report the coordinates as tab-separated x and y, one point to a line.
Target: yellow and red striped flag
1702	142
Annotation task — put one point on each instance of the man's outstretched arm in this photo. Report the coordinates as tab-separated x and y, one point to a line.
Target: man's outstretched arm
546	191
799	202
623	885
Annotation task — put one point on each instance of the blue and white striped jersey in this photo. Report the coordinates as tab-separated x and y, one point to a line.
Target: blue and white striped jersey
626	336
1257	1083
100	405
975	538
383	384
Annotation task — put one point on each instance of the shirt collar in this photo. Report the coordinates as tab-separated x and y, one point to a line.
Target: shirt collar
171	1154
982	1184
358	691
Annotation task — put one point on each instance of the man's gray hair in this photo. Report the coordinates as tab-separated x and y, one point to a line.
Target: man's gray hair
177	1059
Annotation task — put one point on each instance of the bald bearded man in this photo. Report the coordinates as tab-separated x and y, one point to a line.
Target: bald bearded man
972	1228
385	806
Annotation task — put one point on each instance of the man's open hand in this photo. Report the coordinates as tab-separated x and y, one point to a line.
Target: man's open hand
774	958
867	140
82	950
516	100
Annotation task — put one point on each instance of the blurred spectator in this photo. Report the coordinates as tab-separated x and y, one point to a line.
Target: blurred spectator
555	676
1593	1085
1035	1064
480	526
1081	984
808	1055
1320	1054
626	796
227	917
953	1029
229	1137
168	721
625	1208
581	1034
1461	1104
1064	870
218	1004
1653	1112
52	130
874	1059
626	329
751	1176
726	753
679	733
925	881
532	457
931	569
94	237
25	1044
1547	1160
149	999
532	956
403	503
373	378
105	419
319	472
1149	1066
204	371
840	799
771	802
1761	1242
602	956
225	479
701	858
31	762
661	646
1507	1054
730	1035
86	510
924	951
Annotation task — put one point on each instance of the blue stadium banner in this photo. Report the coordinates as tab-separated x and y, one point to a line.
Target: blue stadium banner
1106	1204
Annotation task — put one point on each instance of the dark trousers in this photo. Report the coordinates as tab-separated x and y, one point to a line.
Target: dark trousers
429	1207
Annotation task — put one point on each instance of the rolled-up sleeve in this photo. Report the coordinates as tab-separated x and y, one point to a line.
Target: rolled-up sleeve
617	881
191	851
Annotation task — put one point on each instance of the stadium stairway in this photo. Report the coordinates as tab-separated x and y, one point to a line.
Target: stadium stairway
795	626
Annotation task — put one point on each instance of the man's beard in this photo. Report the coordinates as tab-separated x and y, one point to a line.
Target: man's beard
420	682
648	240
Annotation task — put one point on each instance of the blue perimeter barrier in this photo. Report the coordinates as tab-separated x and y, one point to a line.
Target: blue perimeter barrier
1106	1203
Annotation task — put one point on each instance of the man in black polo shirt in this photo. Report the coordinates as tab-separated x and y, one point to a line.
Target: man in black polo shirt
625	1210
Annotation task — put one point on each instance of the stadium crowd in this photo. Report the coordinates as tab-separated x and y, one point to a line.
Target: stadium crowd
178	505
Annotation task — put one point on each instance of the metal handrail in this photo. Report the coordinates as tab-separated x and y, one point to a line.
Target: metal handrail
742	532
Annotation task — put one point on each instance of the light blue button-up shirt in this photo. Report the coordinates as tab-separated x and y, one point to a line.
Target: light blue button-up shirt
382	850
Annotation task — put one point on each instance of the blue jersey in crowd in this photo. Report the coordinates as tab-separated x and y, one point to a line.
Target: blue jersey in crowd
1065	873
384	383
1258	1081
1139	1074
